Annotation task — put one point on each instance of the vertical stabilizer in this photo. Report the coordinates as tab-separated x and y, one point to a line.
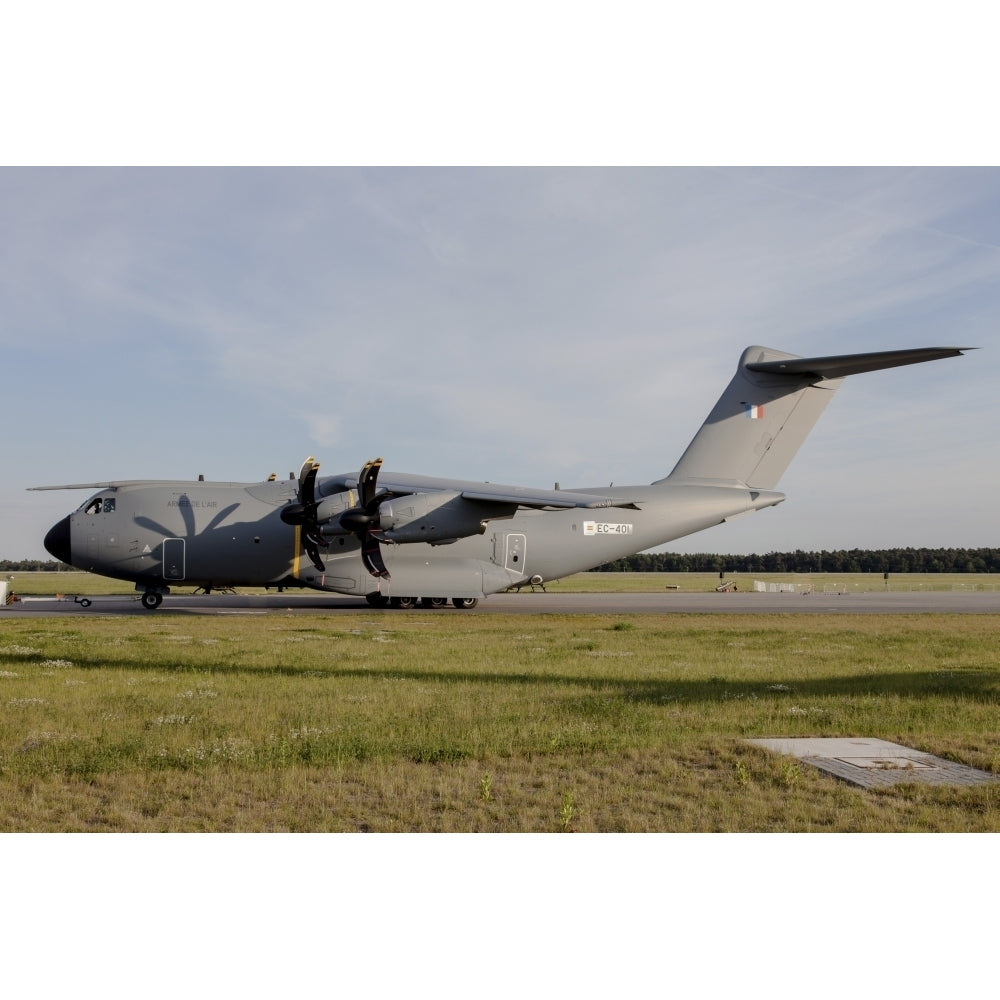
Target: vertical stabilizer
768	409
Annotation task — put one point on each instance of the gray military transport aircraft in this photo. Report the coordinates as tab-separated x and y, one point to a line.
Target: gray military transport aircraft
397	538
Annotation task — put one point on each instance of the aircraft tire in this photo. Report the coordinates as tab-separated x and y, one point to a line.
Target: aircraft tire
377	600
434	602
151	600
404	602
465	603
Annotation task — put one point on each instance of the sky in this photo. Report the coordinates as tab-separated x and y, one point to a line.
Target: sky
519	325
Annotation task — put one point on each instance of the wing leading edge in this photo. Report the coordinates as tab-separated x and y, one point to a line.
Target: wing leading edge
403	484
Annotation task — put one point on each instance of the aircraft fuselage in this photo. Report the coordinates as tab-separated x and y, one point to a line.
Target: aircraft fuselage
216	535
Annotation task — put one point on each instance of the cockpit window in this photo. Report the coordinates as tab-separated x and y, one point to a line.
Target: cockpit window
99	505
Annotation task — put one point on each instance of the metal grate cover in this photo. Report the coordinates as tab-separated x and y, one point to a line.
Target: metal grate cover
873	763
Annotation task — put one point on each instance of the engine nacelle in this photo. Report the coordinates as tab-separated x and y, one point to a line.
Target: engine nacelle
434	517
329	511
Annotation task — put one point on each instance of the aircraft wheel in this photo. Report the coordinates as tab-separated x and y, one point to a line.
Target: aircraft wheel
434	602
465	603
151	600
377	600
404	602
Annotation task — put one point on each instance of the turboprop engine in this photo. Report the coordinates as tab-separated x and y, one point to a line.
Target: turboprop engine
329	512
436	518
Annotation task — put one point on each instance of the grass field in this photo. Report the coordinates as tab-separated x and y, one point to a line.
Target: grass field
441	722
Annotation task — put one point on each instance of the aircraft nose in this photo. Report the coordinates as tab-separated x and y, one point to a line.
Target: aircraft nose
57	541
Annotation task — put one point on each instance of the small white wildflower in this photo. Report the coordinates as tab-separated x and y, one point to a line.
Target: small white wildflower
198	693
305	732
172	720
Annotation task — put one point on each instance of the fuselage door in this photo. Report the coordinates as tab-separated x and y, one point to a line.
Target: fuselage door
173	559
514	552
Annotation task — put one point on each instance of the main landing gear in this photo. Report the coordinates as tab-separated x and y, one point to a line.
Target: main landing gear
151	600
377	600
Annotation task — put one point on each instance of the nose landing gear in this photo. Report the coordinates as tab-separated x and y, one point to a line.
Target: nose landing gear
151	600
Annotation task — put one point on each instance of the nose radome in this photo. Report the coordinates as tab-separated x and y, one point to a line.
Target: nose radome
57	541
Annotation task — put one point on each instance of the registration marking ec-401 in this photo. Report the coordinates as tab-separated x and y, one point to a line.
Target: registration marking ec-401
600	528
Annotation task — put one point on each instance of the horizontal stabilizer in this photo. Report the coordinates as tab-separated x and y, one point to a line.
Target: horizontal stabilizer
838	366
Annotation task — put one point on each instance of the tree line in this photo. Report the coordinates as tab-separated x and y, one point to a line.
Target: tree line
838	561
31	566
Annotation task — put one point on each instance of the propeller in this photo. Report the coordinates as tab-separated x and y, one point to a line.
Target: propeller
363	520
303	512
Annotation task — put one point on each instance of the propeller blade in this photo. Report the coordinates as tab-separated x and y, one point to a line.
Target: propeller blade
363	520
371	556
303	513
367	482
307	481
312	550
304	510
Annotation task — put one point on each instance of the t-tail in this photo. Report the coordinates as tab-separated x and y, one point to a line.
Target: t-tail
768	409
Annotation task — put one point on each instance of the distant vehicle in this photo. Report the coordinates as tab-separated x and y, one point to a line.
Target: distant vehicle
398	538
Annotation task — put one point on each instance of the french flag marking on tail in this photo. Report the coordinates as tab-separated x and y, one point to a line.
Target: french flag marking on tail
754	412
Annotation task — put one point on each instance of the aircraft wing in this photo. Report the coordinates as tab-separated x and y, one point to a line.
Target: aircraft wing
403	484
107	484
544	499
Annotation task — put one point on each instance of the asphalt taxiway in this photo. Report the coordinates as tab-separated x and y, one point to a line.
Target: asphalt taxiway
874	603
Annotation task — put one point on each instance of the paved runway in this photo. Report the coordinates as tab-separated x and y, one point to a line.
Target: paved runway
878	603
